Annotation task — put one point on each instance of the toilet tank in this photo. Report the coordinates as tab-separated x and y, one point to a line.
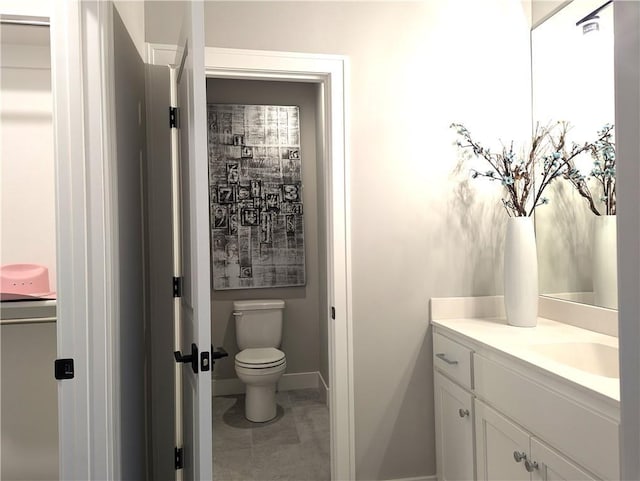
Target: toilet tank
258	323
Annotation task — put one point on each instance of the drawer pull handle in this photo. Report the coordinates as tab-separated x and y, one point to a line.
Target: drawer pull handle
530	466
443	356
463	412
519	457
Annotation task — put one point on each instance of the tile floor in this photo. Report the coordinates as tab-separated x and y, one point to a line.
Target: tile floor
294	446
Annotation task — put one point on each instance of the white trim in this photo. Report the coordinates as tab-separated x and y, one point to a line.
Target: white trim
160	53
82	87
111	275
418	478
72	328
325	393
299	380
288	382
627	100
332	73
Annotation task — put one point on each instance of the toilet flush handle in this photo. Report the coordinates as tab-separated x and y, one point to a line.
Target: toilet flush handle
237	313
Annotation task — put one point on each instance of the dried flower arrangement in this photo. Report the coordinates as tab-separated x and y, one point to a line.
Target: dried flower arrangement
604	172
548	157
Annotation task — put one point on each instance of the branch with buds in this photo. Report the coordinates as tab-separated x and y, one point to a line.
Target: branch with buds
548	156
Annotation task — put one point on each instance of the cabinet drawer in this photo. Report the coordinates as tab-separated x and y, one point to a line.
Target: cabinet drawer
452	359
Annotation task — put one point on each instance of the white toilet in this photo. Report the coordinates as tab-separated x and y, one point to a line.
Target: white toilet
260	363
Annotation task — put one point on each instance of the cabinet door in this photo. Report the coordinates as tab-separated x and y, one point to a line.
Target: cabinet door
497	439
454	431
551	466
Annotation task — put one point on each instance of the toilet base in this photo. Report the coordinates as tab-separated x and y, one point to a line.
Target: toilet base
260	403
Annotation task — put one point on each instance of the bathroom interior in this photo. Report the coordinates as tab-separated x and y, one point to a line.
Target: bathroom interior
430	239
293	440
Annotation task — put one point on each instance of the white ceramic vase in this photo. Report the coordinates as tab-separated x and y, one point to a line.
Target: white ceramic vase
605	273
521	273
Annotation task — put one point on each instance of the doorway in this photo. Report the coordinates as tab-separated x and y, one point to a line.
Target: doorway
330	74
296	443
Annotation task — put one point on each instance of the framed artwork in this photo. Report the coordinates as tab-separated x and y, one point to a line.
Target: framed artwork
255	177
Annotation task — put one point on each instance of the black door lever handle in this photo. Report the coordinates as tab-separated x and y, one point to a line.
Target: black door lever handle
189	358
218	353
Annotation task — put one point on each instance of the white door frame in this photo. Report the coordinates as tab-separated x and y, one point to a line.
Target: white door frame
331	73
627	98
86	234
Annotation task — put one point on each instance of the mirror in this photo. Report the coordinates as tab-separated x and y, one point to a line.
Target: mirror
573	80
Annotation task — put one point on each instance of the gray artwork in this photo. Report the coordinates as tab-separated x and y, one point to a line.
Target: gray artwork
255	195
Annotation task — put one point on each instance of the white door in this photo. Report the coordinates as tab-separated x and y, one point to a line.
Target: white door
501	447
193	315
551	466
454	430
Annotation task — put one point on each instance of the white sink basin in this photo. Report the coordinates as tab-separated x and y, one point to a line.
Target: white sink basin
591	357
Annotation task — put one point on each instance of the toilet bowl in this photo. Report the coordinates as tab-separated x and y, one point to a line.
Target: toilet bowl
259	364
260	369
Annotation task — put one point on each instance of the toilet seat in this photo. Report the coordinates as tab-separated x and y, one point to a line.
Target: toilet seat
260	358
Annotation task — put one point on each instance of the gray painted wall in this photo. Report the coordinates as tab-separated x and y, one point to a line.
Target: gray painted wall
301	331
131	163
418	229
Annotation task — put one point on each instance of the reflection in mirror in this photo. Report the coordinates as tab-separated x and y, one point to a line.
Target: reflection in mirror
572	75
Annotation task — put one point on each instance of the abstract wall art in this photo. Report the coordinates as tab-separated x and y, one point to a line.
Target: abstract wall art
255	179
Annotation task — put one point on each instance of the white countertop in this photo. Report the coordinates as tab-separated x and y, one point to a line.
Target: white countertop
517	342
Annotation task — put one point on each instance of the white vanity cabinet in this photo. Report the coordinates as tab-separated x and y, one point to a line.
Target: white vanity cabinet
505	451
498	418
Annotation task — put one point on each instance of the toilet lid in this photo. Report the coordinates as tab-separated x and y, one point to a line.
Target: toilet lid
260	357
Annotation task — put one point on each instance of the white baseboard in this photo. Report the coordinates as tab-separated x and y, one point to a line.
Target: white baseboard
288	382
298	380
324	391
419	478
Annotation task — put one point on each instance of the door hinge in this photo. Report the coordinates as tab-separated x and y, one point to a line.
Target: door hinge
177	286
178	458
173	117
63	369
333	312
